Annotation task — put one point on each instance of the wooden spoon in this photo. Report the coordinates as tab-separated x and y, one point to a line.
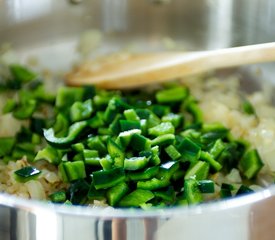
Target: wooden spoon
142	69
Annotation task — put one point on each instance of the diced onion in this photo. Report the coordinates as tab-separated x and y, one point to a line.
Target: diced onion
35	190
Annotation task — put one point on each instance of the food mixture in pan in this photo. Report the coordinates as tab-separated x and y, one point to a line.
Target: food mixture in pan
180	143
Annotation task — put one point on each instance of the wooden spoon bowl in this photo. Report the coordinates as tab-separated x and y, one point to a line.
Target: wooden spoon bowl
137	70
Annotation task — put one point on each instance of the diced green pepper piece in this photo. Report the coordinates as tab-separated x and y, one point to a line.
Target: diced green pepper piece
244	190
172	152
121	104
95	143
106	162
114	127
161	129
130	114
124	138
96	121
144	175
153	184
179	174
126	125
61	125
115	193
75	170
182	201
78	147
95	194
168	195
135	163
78	191
68	203
136	198
143	126
206	186
192	134
26	174
67	96
91	157
212	162
87	153
116	153
155	160
10	105
195	111
21	73
217	149
6	145
114	107
64	142
160	110
102	98
189	150
175	94
81	110
24	149
175	119
62	172
41	95
27	146
89	92
230	156
24	111
167	169
199	171
140	143
37	124
104	131
143	113
78	157
214	127
248	107
192	191
58	197
93	161
36	139
225	191
25	95
145	153
153	120
251	164
49	154
163	140
24	134
213	132
104	179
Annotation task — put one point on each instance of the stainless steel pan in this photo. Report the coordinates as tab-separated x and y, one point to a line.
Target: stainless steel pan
50	29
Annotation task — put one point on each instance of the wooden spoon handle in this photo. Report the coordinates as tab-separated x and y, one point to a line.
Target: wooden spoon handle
143	69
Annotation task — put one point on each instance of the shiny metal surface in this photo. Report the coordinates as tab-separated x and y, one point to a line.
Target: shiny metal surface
202	24
49	29
23	219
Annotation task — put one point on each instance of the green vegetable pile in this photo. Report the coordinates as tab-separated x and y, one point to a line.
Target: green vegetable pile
131	149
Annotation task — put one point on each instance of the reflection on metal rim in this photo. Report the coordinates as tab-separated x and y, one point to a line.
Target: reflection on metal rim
34	206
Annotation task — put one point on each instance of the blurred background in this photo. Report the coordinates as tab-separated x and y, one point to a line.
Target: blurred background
196	24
